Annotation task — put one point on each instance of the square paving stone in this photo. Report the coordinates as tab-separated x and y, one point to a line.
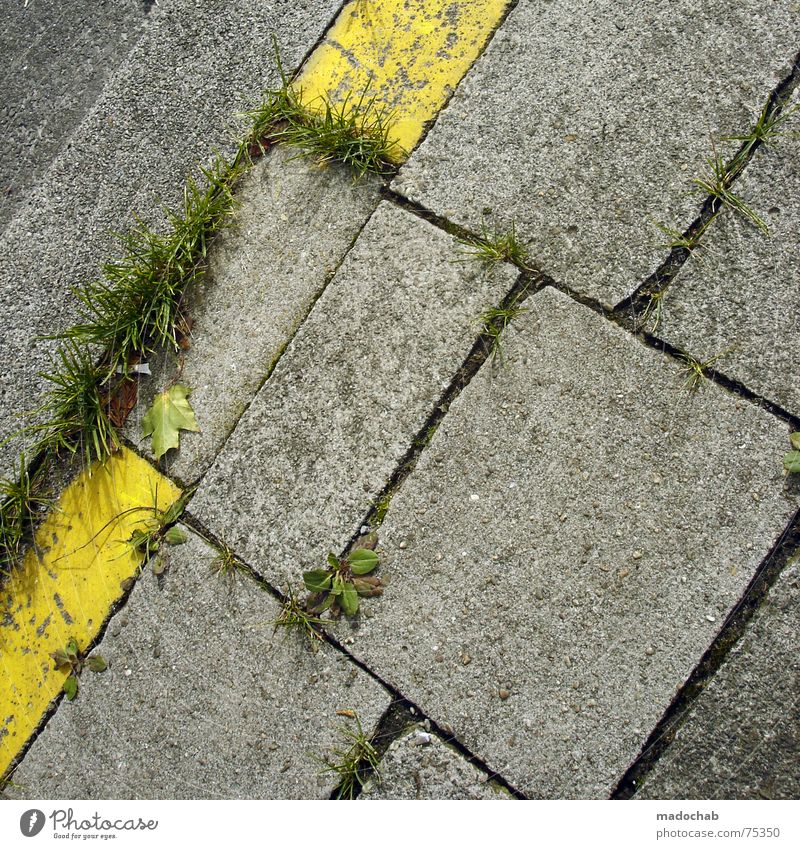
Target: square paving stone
568	547
584	121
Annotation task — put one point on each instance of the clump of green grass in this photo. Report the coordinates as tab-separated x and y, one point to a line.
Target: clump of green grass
494	321
688	241
76	407
494	246
355	133
224	565
353	764
717	184
294	617
767	130
652	312
695	370
20	503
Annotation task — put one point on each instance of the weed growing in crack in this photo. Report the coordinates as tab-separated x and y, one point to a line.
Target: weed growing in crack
294	617
339	587
355	133
494	321
70	659
767	130
21	501
77	404
695	370
687	241
161	529
225	565
717	184
494	246
353	765
652	311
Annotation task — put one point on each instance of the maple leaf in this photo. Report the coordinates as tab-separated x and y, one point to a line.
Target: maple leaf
169	414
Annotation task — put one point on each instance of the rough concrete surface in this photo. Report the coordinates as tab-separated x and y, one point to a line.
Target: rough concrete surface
741	739
56	57
583	121
348	396
294	224
418	765
740	294
166	108
201	700
567	548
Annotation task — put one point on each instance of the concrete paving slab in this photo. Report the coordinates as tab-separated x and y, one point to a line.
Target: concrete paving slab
740	292
201	700
294	225
583	123
741	739
419	765
166	108
56	58
349	395
568	547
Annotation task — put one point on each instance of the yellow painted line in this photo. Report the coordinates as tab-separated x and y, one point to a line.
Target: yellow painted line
409	54
67	586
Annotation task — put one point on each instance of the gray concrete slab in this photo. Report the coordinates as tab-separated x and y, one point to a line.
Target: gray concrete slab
345	401
201	700
739	293
568	547
419	765
294	225
166	108
56	58
741	739
582	123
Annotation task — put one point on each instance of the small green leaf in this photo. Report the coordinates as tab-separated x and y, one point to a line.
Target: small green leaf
363	561
348	600
72	648
158	565
368	586
169	414
329	600
71	687
97	663
791	461
333	561
175	536
317	580
60	658
794	438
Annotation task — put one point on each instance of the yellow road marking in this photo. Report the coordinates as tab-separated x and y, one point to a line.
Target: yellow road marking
409	54
68	589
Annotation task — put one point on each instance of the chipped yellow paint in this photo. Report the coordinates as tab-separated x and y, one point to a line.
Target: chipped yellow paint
409	54
67	587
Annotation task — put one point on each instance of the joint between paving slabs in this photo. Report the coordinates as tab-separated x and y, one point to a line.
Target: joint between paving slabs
635	306
401	712
785	549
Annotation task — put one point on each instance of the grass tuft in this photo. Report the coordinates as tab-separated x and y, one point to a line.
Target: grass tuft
695	370
494	246
21	501
353	764
294	617
767	130
494	321
717	184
